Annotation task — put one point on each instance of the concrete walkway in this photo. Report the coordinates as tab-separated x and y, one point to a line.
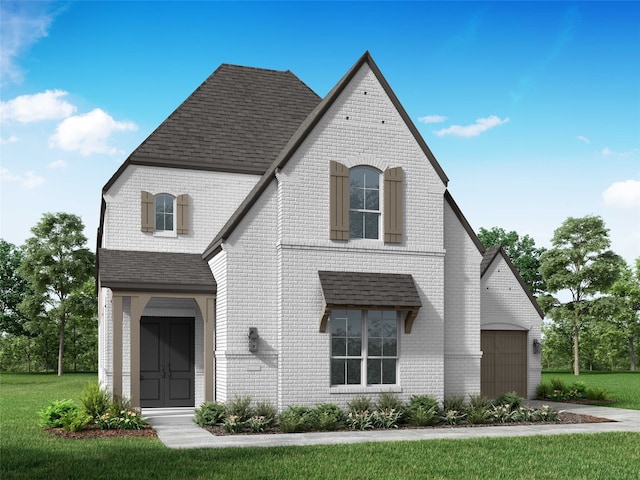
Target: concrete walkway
176	429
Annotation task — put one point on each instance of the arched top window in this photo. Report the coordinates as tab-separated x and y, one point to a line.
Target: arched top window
364	203
164	212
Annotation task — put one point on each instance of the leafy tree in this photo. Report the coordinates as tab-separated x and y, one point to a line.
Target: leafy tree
13	288
56	263
580	264
522	252
625	306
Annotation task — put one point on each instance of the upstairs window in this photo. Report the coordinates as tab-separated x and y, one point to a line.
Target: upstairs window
364	203
164	212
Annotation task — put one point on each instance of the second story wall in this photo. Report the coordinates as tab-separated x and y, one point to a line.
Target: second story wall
207	200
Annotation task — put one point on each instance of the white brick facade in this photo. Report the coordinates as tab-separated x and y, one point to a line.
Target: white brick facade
266	270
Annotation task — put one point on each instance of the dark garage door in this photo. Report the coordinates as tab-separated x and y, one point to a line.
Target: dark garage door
166	362
504	362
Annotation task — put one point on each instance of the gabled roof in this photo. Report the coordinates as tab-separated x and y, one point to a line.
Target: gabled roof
490	255
154	272
301	134
237	120
463	220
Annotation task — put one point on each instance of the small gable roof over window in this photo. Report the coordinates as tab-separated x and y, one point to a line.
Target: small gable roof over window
154	271
363	290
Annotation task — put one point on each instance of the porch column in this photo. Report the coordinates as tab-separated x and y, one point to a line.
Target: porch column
116	302
137	307
207	310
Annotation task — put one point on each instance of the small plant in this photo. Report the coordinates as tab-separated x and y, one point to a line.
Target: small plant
267	410
500	414
386	418
240	407
595	394
233	424
258	423
296	419
422	410
124	420
118	404
328	417
362	420
210	414
454	402
543	390
523	414
509	399
557	384
52	415
75	421
389	400
453	417
478	409
360	403
95	400
546	414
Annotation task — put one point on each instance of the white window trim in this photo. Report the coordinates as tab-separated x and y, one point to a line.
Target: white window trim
380	210
363	386
166	233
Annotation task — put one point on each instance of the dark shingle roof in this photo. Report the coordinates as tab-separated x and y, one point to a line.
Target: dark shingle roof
154	271
487	258
369	289
238	120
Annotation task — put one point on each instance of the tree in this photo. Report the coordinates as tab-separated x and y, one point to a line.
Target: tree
13	288
579	263
56	263
625	294
522	252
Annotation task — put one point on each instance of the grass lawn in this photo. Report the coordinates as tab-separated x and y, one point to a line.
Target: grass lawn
623	387
26	451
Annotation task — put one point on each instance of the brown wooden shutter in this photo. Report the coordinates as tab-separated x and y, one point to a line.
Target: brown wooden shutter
183	214
393	212
339	201
147	211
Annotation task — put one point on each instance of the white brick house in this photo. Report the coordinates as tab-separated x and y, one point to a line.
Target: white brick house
266	242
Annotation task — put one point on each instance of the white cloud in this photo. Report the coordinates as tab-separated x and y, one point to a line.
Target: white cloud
432	119
89	133
47	105
607	152
481	125
58	164
583	139
29	180
622	194
22	24
6	141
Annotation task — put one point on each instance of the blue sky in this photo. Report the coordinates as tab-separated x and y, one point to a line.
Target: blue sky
532	109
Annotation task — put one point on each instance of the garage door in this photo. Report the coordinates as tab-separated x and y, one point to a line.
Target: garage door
504	362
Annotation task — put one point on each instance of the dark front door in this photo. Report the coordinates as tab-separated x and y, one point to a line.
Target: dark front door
166	362
504	362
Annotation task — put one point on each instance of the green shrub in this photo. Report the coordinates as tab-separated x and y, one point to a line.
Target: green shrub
546	414
422	410
386	418
52	415
296	419
119	404
557	384
595	394
478	409
240	407
233	424
543	390
259	423
389	401
266	409
210	414
509	399
360	420
95	400
454	402
360	403
579	387
453	417
75	421
328	417
122	420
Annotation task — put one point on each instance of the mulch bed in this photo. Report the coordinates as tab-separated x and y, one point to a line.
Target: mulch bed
147	431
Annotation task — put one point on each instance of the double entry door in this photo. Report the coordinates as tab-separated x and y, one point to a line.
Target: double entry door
167	362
